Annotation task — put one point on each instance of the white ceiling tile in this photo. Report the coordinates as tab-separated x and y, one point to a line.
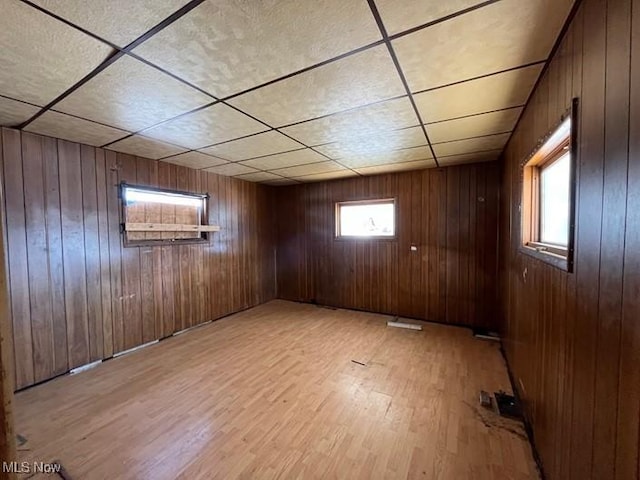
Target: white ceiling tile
401	15
335	87
397	156
381	142
195	160
231	169
367	120
289	159
42	57
228	47
327	176
474	126
214	124
310	169
479	144
259	177
145	147
132	95
396	167
13	112
469	158
503	35
118	21
497	92
254	146
59	125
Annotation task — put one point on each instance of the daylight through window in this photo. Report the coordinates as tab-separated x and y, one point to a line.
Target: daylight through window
547	202
371	218
155	215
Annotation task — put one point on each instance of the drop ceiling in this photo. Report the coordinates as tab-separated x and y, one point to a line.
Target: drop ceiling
277	91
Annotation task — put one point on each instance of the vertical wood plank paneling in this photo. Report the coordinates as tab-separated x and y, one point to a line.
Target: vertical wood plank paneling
439	282
130	257
17	257
627	441
7	432
569	337
78	295
73	248
102	174
589	235
54	255
92	252
115	249
616	153
37	264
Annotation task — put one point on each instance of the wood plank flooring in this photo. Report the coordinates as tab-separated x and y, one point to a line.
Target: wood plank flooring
272	392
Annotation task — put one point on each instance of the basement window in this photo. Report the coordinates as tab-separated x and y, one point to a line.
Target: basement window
154	215
548	198
366	219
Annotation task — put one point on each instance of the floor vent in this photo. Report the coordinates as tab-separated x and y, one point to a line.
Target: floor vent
408	326
88	366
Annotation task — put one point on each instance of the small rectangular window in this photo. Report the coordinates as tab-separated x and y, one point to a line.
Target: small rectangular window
366	219
155	215
548	198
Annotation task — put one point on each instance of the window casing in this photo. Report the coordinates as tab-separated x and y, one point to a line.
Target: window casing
366	219
548	197
152	215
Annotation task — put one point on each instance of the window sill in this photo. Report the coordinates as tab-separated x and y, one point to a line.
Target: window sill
347	238
164	242
553	259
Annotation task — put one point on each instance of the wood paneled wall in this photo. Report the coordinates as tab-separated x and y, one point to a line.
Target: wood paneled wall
7	432
77	295
450	214
573	339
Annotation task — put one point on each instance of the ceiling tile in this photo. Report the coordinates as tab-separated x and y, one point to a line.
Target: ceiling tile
397	156
118	21
335	87
505	90
327	176
381	142
368	120
259	177
59	125
471	145
474	126
231	169
469	158
13	113
214	124
145	147
195	160
254	146
396	167
310	169
289	159
132	95
228	47
502	35
401	15
42	57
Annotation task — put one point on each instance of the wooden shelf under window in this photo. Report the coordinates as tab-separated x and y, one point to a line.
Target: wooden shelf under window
169	227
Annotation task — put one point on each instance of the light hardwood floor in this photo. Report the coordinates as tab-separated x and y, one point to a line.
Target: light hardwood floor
272	392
